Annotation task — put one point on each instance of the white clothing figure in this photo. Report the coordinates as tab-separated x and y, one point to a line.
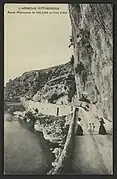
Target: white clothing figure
93	127
78	122
90	127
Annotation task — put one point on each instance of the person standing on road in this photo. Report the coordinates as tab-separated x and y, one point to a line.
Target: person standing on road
93	127
79	128
89	127
102	129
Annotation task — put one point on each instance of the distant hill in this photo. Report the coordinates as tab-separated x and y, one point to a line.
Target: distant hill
50	85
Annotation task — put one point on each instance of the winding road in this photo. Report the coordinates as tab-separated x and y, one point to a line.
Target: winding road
25	152
93	153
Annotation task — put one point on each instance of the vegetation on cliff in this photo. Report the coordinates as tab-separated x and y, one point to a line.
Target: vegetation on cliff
43	85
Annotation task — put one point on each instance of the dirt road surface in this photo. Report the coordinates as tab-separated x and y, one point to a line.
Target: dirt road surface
93	153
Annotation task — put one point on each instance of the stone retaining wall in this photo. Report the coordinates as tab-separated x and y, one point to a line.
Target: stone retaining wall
64	162
48	108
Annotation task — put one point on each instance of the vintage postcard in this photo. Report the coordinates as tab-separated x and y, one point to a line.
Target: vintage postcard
58	89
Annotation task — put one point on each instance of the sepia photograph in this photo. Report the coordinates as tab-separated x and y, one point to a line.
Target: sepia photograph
58	89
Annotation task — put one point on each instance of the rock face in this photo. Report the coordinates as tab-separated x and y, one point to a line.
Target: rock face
92	35
54	129
55	84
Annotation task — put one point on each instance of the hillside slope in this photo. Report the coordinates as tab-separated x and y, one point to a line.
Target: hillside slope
55	84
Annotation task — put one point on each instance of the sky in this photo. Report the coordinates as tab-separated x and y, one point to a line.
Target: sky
34	41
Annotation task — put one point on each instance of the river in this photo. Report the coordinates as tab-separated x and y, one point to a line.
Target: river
25	152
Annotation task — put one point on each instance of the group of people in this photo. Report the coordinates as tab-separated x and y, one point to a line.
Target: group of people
102	130
91	127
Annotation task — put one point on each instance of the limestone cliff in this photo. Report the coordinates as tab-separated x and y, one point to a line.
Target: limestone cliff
92	35
53	85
